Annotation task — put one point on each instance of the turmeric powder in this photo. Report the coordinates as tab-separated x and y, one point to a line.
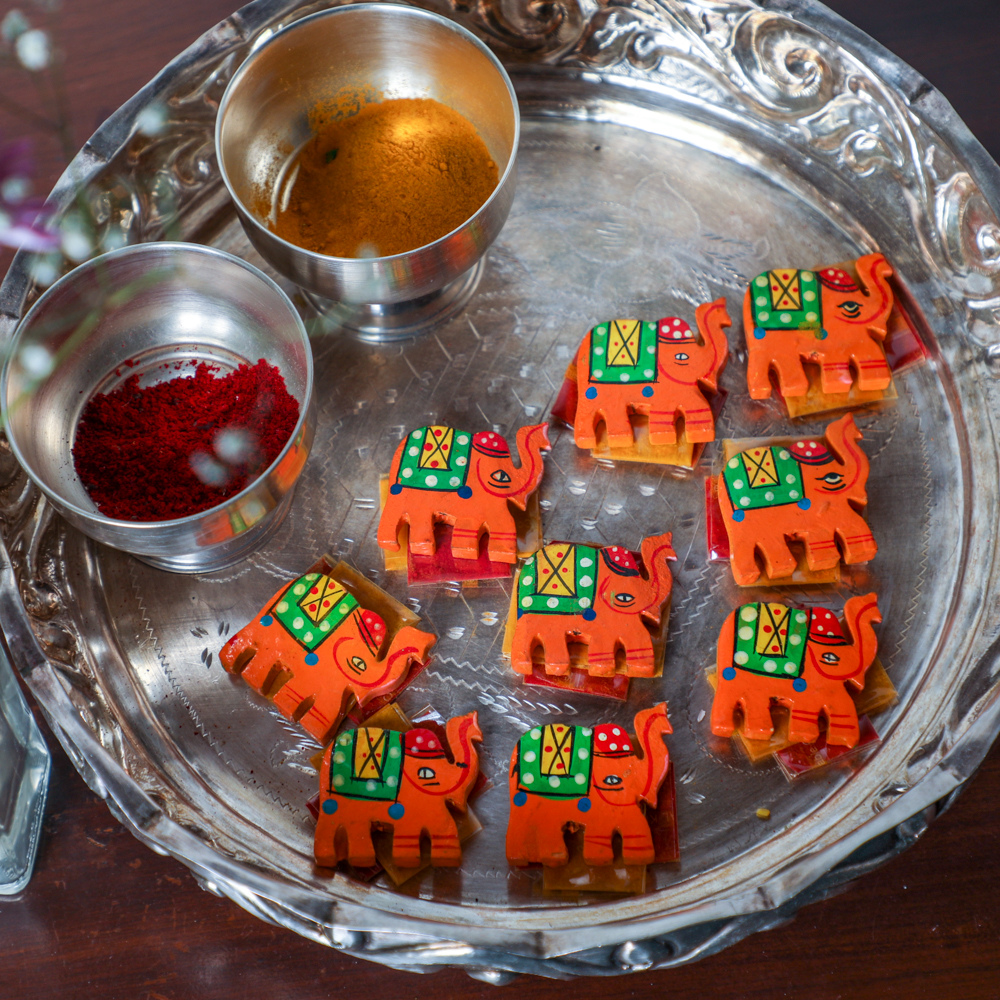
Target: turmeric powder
395	176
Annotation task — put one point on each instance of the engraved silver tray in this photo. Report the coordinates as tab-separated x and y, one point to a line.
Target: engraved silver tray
671	150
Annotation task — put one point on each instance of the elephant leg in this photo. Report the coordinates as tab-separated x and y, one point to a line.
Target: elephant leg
856	540
388	528
556	647
873	370
759	372
465	537
534	837
803	724
792	378
618	426
601	659
360	849
406	846
835	376
743	559
502	542
821	551
842	721
723	709
779	560
584	433
421	541
597	846
638	652
324	714
637	839
445	847
757	721
699	424
325	844
522	643
662	427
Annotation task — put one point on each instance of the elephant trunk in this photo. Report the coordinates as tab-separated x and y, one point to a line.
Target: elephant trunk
860	614
531	442
463	731
656	554
651	725
842	436
712	319
875	271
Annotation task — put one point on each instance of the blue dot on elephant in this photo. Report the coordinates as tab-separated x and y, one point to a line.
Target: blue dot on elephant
759	333
396	810
267	620
729	673
395	489
589	615
822	335
805	503
330	807
799	684
312	659
591	393
647	391
738	515
464	492
584	805
520	798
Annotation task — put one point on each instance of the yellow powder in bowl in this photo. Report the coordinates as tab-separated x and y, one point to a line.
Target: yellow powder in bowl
395	176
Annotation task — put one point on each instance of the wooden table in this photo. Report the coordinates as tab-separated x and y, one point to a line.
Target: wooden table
105	917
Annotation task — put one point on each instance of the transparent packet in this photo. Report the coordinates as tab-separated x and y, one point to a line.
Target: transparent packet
24	778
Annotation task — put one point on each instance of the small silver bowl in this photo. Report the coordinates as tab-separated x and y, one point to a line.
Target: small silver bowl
395	52
151	306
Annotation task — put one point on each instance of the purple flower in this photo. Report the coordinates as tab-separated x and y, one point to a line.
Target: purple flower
22	218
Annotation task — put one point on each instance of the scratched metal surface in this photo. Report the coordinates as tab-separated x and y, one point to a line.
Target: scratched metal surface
641	193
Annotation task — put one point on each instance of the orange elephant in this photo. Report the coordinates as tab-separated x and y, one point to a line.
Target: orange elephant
798	658
448	476
573	593
823	317
658	369
566	778
810	491
377	778
314	647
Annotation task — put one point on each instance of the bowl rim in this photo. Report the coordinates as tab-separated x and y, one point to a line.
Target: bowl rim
138	250
388	10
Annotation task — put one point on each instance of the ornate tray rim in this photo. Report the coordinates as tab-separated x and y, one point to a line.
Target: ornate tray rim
624	45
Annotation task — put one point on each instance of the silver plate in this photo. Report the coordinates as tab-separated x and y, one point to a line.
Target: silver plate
669	154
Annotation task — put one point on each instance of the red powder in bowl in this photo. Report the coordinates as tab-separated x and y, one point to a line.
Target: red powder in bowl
168	450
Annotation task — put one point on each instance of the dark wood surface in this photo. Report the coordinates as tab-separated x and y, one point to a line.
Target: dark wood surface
105	917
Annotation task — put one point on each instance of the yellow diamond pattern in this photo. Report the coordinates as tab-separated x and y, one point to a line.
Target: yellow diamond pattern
440	439
318	606
557	748
556	571
759	463
369	754
623	343
786	290
773	618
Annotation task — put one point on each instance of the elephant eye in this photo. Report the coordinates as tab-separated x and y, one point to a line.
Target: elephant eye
425	772
833	478
624	599
852	310
612	779
357	664
500	477
830	658
681	357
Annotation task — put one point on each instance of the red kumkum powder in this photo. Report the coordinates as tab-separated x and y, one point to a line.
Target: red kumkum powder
172	449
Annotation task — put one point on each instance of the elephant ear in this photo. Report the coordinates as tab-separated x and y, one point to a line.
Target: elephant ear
838	280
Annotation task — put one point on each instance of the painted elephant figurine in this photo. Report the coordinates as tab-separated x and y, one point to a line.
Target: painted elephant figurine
403	781
794	316
658	369
574	593
314	646
798	658
809	491
566	777
449	476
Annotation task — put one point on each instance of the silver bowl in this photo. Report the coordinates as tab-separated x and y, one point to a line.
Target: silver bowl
396	52
153	305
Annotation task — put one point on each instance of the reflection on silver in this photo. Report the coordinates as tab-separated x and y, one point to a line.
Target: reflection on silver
666	158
